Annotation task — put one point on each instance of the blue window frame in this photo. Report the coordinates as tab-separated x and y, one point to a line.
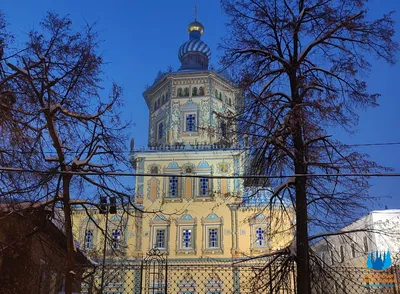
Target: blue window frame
203	186
116	236
160	130
191	123
88	239
187	238
173	186
260	235
213	238
160	238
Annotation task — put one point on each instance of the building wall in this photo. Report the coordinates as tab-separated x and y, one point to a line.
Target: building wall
377	231
33	256
221	208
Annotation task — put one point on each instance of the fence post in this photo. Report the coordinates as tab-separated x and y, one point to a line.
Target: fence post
141	277
394	271
166	274
270	279
236	280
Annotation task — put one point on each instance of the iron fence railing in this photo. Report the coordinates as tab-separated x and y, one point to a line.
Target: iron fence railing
218	276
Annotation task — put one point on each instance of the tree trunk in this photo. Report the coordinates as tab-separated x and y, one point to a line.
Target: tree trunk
303	278
69	270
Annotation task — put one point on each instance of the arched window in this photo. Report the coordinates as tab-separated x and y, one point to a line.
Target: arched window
230	102
341	253
179	92
164	99
216	93
201	91
353	250
220	95
365	239
160	130
194	91
186	92
223	129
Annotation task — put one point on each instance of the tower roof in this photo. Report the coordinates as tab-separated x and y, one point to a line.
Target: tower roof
194	47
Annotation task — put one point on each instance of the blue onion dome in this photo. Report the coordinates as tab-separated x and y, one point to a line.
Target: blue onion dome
194	54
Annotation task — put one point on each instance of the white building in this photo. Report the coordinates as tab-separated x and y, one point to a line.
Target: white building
379	231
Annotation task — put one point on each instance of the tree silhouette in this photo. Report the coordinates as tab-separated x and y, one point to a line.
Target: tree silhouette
301	65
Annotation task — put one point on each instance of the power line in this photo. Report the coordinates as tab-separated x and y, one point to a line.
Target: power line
123	174
157	148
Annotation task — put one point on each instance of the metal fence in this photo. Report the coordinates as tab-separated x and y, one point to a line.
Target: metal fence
156	274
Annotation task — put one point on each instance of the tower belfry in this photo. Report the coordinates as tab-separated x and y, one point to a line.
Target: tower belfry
192	105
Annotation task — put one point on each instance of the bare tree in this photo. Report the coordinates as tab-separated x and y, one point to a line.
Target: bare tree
61	135
302	66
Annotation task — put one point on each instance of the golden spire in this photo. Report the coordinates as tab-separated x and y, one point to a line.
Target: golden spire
195	12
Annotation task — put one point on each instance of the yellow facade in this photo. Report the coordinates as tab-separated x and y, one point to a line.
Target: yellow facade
191	199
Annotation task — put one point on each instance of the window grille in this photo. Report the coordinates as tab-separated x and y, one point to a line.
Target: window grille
173	186
213	238
88	239
191	123
160	239
116	236
187	238
203	186
260	236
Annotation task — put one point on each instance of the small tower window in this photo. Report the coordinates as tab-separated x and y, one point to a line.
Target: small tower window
179	92
220	96
194	91
216	93
186	92
164	99
223	129
160	130
191	123
230	102
201	91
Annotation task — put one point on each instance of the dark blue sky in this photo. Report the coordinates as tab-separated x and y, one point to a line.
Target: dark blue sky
143	37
